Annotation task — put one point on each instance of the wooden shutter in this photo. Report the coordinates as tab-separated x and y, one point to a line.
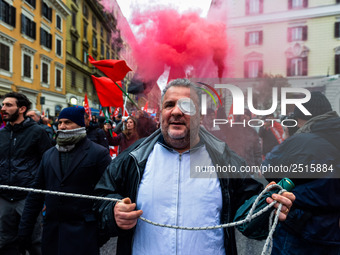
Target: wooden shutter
33	27
260	73
337	29
260	37
49	42
246	41
12	15
305	3
289	34
305	66
23	19
246	73
42	36
261	6
289	61
337	64
304	33
290	4
247	7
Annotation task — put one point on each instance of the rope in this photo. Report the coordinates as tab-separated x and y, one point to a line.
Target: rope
272	222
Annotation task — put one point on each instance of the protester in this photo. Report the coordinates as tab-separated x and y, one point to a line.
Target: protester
95	134
146	125
109	134
158	170
23	143
127	137
312	226
118	119
36	116
74	165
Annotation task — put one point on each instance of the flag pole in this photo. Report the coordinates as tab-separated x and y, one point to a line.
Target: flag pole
126	95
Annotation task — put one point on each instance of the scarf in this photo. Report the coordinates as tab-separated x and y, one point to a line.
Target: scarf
306	128
67	139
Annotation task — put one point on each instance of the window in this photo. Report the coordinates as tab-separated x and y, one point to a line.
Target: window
59	46
84	84
58	78
253	68
108	38
28	27
94	41
7	13
45	38
107	53
101	32
254	7
46	11
85	31
85	57
102	49
74	19
45	73
297	33
94	22
27	66
73	79
337	29
297	66
4	57
337	64
254	38
297	4
85	11
74	48
31	2
59	22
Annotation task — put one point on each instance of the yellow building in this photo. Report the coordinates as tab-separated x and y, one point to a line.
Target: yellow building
297	39
32	51
90	31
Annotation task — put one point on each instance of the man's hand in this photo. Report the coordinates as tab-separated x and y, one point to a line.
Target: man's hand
125	216
286	199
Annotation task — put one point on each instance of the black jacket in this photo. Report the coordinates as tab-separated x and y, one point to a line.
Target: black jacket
70	225
21	149
97	135
122	178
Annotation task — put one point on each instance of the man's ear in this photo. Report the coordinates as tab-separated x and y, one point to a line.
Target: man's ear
22	109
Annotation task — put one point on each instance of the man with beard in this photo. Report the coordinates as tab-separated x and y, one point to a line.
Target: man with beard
155	177
22	142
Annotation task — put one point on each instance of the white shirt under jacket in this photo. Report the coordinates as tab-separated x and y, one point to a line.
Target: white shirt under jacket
167	194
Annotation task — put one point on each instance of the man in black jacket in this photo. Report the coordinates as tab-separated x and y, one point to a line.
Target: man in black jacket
74	165
23	143
155	177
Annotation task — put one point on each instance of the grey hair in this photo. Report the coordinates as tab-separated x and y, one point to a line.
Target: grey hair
186	83
38	113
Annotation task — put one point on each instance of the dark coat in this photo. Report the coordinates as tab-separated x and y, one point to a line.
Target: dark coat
70	225
97	135
21	150
124	174
316	211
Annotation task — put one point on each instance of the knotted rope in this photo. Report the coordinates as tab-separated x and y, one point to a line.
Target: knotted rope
272	220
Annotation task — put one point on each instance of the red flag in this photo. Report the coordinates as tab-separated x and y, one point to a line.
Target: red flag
87	107
231	115
125	113
145	109
116	70
108	92
115	113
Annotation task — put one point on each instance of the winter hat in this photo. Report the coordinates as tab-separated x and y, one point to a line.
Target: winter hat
317	105
75	114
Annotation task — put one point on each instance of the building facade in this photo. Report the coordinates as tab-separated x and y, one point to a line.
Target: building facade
296	39
32	51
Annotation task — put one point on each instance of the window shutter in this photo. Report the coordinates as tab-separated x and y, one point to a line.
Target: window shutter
261	6
33	30
246	69
290	4
42	36
289	34
305	66
246	42
305	3
50	41
12	15
50	14
260	37
304	33
337	29
289	61
33	3
260	74
23	24
247	7
337	64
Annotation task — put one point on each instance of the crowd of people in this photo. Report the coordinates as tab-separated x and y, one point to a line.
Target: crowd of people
153	177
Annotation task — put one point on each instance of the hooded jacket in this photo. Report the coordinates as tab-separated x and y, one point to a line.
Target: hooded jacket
21	150
123	176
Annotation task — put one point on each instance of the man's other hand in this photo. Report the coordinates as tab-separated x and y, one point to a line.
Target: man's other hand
125	216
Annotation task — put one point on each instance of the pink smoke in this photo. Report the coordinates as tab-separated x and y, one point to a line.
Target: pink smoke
166	37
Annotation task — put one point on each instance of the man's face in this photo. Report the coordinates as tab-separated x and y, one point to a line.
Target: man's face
10	111
33	115
175	125
66	124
